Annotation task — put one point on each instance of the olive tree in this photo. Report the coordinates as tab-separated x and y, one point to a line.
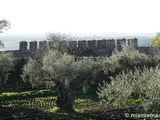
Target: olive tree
141	85
127	58
62	72
6	64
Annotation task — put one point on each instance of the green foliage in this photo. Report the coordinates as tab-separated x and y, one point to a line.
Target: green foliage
134	101
33	72
26	95
4	25
155	41
62	72
6	64
127	58
61	69
46	104
14	76
117	92
91	93
145	83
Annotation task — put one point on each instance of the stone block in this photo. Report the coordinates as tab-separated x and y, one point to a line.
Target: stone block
133	41
110	45
120	42
101	44
72	44
23	45
82	44
33	45
42	45
62	45
92	44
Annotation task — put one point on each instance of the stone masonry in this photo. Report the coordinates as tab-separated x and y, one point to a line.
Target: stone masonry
104	47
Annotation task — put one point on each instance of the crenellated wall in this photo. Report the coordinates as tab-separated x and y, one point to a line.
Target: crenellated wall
103	47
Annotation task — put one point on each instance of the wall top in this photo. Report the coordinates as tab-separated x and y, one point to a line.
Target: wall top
33	45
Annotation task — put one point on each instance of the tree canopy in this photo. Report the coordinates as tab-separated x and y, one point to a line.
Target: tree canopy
63	72
156	40
58	39
4	25
6	64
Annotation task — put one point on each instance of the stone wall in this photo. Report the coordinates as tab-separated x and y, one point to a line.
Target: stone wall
102	47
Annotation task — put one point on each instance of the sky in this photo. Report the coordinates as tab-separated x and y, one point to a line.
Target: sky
81	16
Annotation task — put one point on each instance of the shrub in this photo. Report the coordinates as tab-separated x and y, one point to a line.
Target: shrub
142	83
128	58
117	92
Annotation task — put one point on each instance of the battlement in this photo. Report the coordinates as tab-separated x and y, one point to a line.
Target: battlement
33	45
104	47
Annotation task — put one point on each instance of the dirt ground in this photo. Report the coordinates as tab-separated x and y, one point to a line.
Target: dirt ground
33	114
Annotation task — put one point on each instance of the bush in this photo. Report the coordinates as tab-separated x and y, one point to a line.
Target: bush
128	58
125	88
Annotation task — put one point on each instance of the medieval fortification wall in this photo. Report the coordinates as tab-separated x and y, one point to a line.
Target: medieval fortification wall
104	47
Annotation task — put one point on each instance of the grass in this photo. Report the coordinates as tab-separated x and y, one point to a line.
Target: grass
44	99
57	110
134	101
43	103
26	95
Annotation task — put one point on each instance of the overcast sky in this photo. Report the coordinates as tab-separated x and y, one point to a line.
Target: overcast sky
81	16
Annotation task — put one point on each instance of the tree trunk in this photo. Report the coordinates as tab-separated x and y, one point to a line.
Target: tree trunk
17	86
0	87
65	99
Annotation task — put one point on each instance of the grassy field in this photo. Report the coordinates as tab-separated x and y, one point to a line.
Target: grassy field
42	105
